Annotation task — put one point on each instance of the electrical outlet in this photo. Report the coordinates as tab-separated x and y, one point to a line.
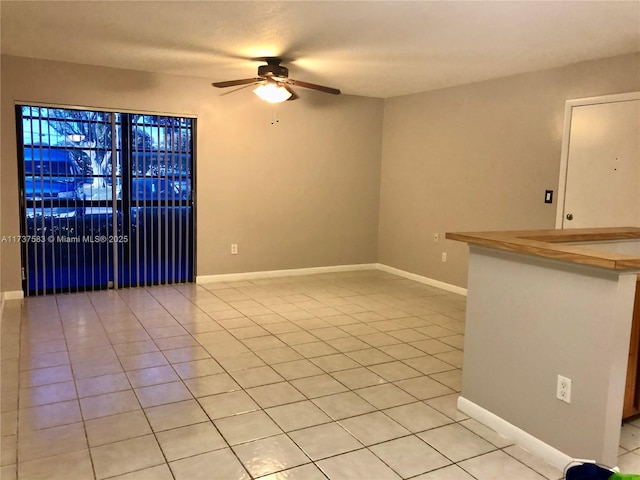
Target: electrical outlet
563	389
234	249
436	237
444	256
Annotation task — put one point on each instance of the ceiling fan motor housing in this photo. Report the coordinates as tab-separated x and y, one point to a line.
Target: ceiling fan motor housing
273	71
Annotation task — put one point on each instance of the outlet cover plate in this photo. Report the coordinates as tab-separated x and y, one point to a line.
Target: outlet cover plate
563	389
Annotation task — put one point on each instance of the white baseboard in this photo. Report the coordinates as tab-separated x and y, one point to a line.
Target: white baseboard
527	441
426	280
13	295
234	277
4	296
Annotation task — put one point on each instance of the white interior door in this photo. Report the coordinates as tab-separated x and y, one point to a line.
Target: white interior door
602	165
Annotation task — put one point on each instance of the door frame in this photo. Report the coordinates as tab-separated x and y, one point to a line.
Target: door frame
566	137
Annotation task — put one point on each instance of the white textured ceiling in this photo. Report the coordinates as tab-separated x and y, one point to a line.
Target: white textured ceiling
371	48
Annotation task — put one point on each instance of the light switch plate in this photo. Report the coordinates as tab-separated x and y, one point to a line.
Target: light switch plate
548	196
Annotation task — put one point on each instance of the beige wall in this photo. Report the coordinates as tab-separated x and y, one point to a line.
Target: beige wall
302	193
311	191
1	269
530	319
478	157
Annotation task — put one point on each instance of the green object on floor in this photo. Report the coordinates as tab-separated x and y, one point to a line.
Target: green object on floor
624	476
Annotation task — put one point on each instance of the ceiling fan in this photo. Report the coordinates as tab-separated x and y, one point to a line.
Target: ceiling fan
274	84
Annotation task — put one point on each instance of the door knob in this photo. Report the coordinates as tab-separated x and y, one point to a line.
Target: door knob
569	216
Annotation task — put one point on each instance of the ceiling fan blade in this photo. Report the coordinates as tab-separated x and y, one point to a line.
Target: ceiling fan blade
233	83
313	86
294	95
239	88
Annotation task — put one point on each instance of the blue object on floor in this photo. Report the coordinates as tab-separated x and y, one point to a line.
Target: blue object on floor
588	471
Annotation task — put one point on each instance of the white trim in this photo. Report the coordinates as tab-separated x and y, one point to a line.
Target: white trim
566	134
4	296
420	279
234	277
537	447
13	295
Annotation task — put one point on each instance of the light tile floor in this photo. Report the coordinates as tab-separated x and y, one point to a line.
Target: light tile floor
339	376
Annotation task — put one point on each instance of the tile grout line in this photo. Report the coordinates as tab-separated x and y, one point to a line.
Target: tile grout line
288	381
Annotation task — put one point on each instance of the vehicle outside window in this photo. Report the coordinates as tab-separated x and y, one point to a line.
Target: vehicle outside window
160	177
53	175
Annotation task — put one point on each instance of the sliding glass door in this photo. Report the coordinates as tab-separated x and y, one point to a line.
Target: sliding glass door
106	199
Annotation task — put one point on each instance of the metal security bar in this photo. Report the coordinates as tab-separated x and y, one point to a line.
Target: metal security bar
160	216
106	199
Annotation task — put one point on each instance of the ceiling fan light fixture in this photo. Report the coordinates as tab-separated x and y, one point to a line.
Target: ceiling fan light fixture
272	93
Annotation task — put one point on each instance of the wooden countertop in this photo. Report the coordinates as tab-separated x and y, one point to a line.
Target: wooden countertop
552	244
